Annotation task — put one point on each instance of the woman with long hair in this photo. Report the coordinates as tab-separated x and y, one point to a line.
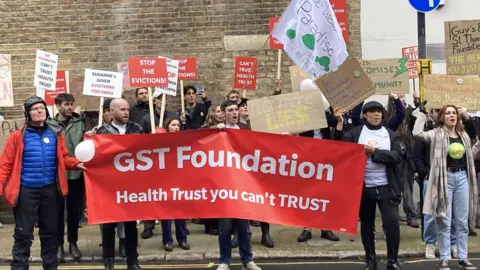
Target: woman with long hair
451	182
214	117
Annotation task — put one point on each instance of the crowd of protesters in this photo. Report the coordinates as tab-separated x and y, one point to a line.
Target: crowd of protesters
404	145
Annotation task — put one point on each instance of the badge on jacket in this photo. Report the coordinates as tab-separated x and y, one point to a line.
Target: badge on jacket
46	140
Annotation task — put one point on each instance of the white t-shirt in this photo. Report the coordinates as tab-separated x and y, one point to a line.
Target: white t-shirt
232	126
375	173
121	128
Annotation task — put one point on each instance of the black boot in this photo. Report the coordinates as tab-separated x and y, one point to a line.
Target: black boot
329	235
74	252
371	261
121	248
393	265
305	236
109	264
267	240
61	254
147	233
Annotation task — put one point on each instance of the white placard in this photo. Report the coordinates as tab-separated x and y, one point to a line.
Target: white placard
45	70
101	83
6	88
172	69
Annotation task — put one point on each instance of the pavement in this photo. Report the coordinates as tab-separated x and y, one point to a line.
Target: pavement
205	247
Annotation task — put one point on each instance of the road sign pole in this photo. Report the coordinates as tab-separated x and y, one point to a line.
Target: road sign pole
422	51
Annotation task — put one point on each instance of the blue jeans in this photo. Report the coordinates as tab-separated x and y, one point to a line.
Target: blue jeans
458	203
225	228
180	231
430	226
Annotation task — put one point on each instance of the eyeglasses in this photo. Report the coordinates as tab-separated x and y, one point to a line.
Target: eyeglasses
38	109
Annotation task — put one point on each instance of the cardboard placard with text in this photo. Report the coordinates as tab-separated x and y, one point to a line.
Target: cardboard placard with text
187	68
7	128
294	112
462	47
87	103
443	90
348	86
296	77
388	75
245	76
6	87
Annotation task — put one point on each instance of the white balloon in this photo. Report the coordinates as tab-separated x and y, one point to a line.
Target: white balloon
308	85
85	151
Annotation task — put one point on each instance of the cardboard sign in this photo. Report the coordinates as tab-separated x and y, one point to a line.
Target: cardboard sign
462	50
45	70
172	68
87	103
348	86
296	77
147	72
411	53
123	68
6	88
187	69
61	86
294	112
245	76
7	128
340	10
443	90
274	43
388	75
101	83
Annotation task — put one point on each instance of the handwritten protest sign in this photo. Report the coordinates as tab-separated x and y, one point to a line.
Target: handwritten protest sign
87	103
462	47
294	112
101	83
274	43
45	70
388	75
7	128
187	68
147	72
123	68
172	69
296	77
61	86
6	88
245	76
348	86
411	53
443	90
311	36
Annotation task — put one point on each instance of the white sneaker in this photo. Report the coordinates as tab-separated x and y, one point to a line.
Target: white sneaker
251	266
1	225
223	267
430	252
454	251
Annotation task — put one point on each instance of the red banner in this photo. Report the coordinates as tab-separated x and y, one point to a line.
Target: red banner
411	53
340	9
218	174
187	68
61	86
147	72
274	43
245	76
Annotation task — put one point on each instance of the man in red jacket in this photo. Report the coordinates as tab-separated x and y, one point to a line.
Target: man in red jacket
33	173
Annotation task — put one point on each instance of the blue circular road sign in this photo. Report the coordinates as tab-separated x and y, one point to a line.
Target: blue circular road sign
424	5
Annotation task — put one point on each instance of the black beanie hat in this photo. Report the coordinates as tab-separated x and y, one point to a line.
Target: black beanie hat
29	102
372	105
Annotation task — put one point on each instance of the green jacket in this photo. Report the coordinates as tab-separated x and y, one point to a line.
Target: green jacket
73	136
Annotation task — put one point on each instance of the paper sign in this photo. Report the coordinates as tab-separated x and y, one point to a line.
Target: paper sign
443	90
7	128
101	83
411	53
348	86
274	43
311	36
45	70
245	76
296	77
87	103
294	112
6	88
172	68
462	47
340	10
123	68
388	75
60	87
187	69
147	72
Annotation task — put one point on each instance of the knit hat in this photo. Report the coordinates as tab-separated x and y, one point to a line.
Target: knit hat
29	102
372	105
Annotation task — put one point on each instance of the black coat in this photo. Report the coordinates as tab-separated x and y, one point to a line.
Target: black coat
137	112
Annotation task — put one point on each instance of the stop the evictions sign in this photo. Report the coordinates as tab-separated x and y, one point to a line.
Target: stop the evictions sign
147	72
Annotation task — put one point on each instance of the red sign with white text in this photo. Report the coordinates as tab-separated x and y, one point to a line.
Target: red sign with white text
274	43
245	76
411	53
187	68
340	9
147	72
218	174
61	86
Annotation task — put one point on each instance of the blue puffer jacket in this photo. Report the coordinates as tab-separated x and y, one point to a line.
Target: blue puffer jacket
39	161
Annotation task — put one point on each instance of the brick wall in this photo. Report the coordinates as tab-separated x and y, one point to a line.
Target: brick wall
99	34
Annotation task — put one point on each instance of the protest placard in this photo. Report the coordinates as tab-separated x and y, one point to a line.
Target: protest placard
61	86
388	75
411	53
462	47
7	128
45	70
274	43
296	77
311	36
147	72
6	88
101	83
87	103
245	75
340	10
123	68
443	90
172	69
348	86
294	112
187	68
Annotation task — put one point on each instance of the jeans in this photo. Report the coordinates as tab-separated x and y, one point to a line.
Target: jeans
74	201
458	203
180	231
225	228
430	226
